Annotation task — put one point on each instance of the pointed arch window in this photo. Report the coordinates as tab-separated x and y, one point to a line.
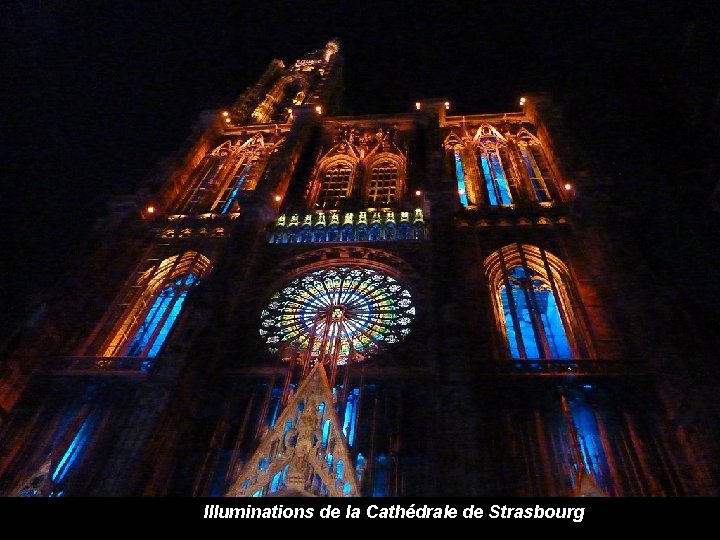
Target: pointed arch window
532	318
204	178
496	182
335	186
494	165
229	195
537	167
534	304
382	188
537	180
74	451
145	327
466	174
460	175
160	318
222	174
68	447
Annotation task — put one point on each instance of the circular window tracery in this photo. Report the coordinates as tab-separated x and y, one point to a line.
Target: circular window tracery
338	314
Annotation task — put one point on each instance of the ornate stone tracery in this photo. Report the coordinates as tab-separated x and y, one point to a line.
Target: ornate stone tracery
305	454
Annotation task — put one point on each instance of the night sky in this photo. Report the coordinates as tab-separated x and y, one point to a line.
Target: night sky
94	94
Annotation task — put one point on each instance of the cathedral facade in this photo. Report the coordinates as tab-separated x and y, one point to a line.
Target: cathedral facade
304	303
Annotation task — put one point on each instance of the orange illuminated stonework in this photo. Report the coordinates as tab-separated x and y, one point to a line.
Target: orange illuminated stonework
306	303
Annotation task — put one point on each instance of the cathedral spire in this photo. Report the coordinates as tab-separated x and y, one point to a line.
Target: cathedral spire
312	80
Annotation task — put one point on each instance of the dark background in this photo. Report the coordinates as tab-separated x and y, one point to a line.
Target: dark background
94	94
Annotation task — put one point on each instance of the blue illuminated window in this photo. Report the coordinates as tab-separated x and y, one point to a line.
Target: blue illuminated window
533	320
74	450
351	412
384	227
460	174
217	181
535	174
339	470
278	235
279	480
326	433
305	234
587	438
238	183
360	466
381	476
160	318
319	233
348	232
274	406
288	425
495	181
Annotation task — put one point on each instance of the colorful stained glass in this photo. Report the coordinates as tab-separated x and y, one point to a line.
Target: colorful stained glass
338	314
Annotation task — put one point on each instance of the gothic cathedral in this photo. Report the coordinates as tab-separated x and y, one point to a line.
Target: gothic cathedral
303	303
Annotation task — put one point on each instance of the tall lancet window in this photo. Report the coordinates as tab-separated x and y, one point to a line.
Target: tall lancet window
160	318
203	179
496	183
382	189
74	450
492	161
221	175
229	195
460	174
335	185
537	168
532	317
74	430
534	304
145	327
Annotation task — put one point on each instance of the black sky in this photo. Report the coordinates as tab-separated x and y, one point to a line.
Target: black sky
95	93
